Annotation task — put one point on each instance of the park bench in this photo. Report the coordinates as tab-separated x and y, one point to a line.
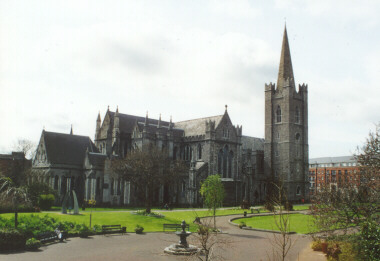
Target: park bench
174	227
108	229
51	236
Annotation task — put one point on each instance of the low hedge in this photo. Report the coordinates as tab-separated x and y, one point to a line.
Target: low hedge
7	208
11	239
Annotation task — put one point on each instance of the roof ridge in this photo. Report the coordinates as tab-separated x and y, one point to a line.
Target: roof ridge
221	115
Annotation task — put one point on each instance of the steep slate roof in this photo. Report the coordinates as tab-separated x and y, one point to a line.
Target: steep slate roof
67	149
197	126
342	159
252	143
151	128
127	122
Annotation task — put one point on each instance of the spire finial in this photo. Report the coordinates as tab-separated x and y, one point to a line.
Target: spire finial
146	119
71	131
226	106
108	108
117	108
159	121
98	117
285	71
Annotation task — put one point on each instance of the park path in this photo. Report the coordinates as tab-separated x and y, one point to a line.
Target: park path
240	245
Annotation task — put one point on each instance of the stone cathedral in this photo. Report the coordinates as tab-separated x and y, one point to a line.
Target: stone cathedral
211	145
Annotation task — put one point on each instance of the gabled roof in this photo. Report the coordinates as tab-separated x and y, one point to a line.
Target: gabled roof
67	149
197	126
252	143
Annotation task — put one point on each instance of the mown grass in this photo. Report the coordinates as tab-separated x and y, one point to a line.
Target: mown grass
125	217
130	220
299	223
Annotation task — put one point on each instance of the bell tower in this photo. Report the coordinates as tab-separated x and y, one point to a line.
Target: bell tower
286	150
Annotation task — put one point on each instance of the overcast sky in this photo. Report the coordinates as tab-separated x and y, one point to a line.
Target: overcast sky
61	62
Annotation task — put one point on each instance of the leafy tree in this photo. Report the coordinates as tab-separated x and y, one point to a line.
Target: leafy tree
11	193
148	169
352	203
212	191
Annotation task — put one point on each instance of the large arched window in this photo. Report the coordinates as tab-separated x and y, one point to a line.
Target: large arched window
225	162
199	151
56	182
278	114
230	162
297	116
220	162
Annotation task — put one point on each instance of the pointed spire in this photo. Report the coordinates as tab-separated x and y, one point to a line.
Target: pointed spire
98	119
146	119
226	107
108	108
159	122
285	71
117	109
71	131
171	123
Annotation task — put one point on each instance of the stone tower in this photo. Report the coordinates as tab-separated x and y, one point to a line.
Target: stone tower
286	151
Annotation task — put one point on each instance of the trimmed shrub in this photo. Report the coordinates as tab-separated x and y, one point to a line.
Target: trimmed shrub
45	202
11	239
36	189
8	208
242	224
316	245
32	244
139	229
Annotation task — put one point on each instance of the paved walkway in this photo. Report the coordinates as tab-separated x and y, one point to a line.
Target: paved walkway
240	245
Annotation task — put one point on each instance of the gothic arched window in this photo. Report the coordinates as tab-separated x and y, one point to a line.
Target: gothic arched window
230	162
278	114
199	151
225	162
220	162
297	115
298	191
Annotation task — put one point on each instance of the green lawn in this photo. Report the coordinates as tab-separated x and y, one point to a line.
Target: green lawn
130	220
110	216
299	223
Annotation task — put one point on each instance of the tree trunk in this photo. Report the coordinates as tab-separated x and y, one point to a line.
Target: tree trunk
16	221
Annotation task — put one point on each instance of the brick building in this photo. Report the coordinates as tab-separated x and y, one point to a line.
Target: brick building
13	165
333	171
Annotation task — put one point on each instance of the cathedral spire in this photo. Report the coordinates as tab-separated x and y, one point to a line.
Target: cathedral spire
98	119
285	71
71	130
159	122
146	119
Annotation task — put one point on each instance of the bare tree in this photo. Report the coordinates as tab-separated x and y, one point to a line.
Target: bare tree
148	169
26	146
281	242
212	245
